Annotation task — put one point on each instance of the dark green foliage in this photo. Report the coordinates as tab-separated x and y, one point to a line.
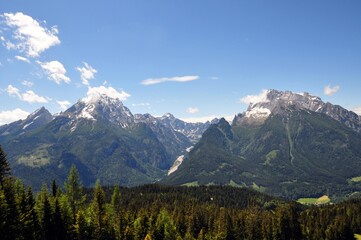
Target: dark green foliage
180	213
164	212
4	166
98	209
28	216
12	217
74	191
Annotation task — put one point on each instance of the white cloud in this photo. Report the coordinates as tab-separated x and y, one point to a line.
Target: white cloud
146	104
95	92
253	99
23	59
28	96
86	73
27	83
206	118
151	81
55	71
329	91
31	97
63	104
13	91
12	116
214	78
192	110
357	110
28	35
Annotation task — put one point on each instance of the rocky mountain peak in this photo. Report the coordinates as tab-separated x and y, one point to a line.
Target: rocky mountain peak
38	118
168	116
101	106
280	102
273	99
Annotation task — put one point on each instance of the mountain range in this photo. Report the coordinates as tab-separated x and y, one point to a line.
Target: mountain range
102	138
286	144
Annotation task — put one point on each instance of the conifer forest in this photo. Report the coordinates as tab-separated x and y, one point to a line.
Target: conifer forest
69	211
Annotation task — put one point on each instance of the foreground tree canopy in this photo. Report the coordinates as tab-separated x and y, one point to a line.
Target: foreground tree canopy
161	212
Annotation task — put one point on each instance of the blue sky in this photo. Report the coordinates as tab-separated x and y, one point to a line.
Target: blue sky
195	59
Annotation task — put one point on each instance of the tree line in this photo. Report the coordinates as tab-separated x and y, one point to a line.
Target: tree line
160	212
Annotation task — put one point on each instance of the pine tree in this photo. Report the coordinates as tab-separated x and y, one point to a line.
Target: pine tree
4	167
116	200
3	212
58	223
54	188
74	191
98	206
47	221
28	217
12	223
84	229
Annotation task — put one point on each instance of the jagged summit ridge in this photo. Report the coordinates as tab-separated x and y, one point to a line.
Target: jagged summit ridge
193	131
278	102
273	100
38	118
101	107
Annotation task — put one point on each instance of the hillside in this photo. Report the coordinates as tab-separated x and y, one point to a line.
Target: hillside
102	138
285	148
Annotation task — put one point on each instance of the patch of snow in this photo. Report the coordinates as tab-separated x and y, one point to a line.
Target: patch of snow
72	129
27	125
189	149
36	117
127	113
258	112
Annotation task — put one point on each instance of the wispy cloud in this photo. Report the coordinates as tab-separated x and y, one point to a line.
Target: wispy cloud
95	92
86	73
151	81
28	96
192	110
11	116
23	59
55	71
13	91
146	104
63	104
27	83
206	118
253	99
28	35
329	91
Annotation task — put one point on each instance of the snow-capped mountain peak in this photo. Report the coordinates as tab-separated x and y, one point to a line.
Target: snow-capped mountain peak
102	92
101	106
168	116
276	102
